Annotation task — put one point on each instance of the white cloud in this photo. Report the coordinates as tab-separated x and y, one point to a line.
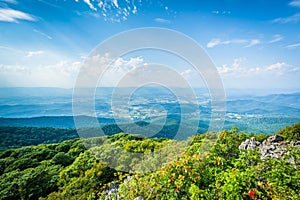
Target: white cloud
88	2
113	70
216	42
112	10
235	68
119	68
186	72
238	70
291	19
253	43
295	3
115	2
161	20
293	45
33	53
213	43
10	15
276	38
61	74
276	75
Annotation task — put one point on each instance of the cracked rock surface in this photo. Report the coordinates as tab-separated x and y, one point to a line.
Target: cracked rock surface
272	147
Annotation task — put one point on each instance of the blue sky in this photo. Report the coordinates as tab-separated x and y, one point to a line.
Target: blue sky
254	44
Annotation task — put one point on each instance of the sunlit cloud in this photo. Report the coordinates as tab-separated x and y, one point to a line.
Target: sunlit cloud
113	10
88	2
11	15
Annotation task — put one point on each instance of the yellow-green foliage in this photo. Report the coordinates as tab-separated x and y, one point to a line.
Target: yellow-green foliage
291	133
211	167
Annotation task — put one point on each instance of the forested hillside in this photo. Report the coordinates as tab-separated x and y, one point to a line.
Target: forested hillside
66	170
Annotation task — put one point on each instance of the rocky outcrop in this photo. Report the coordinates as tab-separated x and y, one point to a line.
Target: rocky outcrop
111	192
249	144
272	147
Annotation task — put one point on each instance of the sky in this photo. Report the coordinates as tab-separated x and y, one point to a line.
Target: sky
253	44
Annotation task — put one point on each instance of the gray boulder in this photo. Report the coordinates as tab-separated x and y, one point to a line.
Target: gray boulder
272	147
273	139
249	144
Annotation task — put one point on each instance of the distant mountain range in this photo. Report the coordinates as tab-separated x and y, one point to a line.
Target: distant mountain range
52	107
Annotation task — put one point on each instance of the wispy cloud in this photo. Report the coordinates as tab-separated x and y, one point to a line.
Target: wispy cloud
43	34
276	38
291	19
295	3
10	1
10	15
213	43
33	53
10	49
161	20
293	45
248	43
253	43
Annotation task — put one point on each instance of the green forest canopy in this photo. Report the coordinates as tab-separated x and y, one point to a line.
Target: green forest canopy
66	170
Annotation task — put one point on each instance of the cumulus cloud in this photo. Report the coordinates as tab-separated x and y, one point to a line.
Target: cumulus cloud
276	75
295	3
216	42
11	15
238	70
291	19
106	70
